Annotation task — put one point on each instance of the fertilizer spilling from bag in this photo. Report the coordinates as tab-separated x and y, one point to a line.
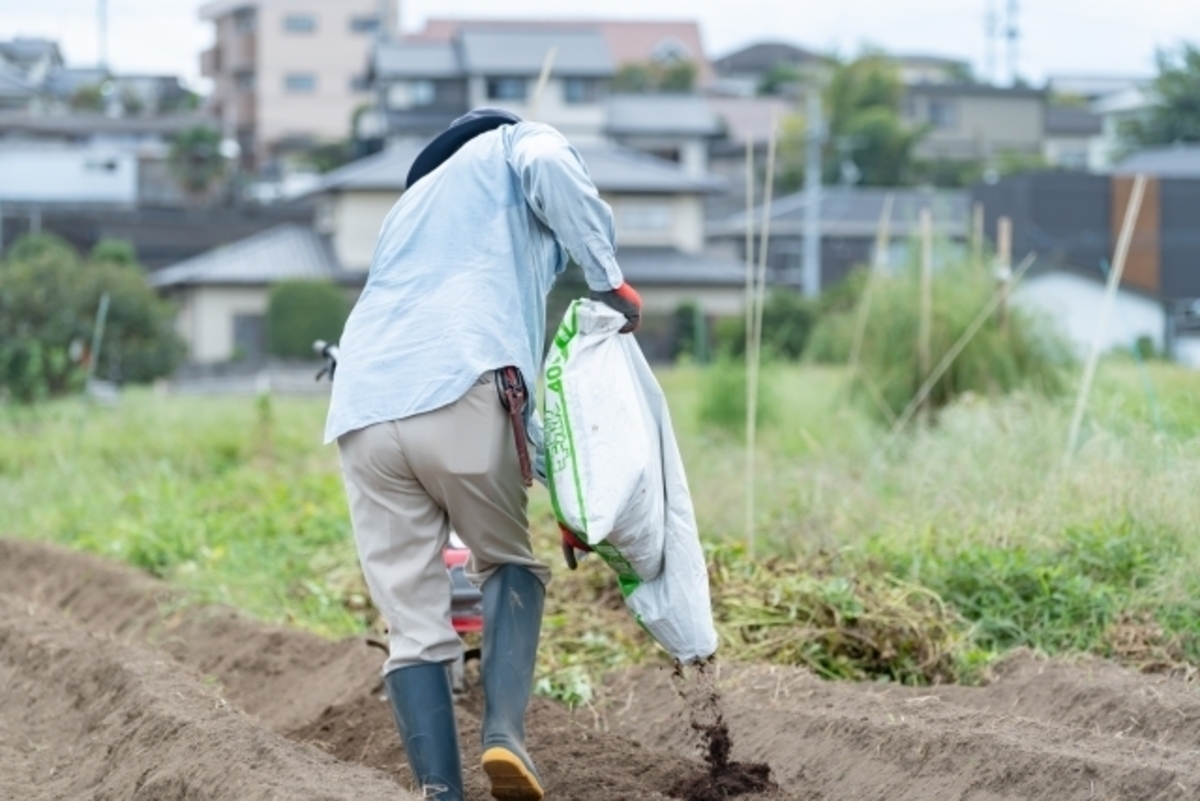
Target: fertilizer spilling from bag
616	478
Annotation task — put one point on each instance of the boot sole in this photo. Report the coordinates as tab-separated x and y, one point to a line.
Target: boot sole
511	780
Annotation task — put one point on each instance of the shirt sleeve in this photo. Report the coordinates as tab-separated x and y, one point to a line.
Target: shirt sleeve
557	187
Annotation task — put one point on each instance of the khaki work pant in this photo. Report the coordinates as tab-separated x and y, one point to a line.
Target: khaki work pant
408	482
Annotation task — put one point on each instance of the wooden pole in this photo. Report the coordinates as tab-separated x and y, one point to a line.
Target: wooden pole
878	265
750	295
755	345
925	324
977	235
1004	262
953	353
543	79
1110	296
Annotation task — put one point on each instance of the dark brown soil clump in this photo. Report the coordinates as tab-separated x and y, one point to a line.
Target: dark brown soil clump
724	777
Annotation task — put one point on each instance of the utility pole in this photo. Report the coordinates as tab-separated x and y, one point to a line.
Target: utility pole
990	22
812	194
1013	34
102	32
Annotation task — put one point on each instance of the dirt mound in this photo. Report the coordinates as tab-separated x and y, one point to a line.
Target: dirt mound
317	693
844	741
114	690
82	716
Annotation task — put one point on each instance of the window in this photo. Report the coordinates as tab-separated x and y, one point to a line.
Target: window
300	82
364	24
245	20
299	23
507	88
943	114
244	80
645	217
581	90
248	337
360	83
423	93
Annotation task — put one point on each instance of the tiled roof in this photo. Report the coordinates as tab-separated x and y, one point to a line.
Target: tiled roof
661	114
580	52
413	59
288	251
613	169
1172	161
659	266
856	212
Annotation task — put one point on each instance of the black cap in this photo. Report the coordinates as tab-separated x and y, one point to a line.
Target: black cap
461	131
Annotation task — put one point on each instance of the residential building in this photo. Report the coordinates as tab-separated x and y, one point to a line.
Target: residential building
742	73
849	221
1117	111
1166	161
657	206
1073	220
288	73
1071	137
1089	87
222	295
423	85
971	121
923	68
26	66
629	41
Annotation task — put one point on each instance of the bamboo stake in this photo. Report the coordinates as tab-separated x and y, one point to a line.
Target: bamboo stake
955	350
543	79
977	235
1004	261
1110	295
756	353
925	324
750	400
879	264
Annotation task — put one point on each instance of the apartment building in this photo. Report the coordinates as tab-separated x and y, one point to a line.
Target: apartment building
288	73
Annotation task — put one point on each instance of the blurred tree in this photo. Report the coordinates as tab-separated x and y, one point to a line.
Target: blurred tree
674	77
115	251
1175	116
48	303
87	98
196	159
862	102
301	312
776	79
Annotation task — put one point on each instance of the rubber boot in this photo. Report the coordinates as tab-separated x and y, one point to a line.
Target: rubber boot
512	618
424	711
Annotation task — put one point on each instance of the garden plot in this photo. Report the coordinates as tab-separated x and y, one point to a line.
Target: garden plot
114	690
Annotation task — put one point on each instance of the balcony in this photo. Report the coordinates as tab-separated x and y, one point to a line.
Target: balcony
240	51
210	62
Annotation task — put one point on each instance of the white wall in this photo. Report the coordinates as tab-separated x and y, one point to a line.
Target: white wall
356	218
205	319
582	123
49	174
1073	303
659	221
1187	351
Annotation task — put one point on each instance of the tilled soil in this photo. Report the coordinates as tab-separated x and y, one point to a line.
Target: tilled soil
113	690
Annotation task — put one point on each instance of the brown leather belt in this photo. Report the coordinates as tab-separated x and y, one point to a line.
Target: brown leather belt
510	385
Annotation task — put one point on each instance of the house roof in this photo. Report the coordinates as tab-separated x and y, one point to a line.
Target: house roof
855	212
25	52
659	114
965	89
748	118
89	125
763	56
285	252
1067	121
415	59
629	41
1092	86
613	169
580	52
658	266
13	83
1172	161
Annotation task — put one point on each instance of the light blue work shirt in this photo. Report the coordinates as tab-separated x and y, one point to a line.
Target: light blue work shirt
460	274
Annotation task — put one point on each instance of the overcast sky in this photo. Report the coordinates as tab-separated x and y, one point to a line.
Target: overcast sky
1057	36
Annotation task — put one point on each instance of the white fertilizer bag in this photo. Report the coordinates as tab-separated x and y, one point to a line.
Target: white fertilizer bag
616	478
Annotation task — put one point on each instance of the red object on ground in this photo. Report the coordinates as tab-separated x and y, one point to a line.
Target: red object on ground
466	602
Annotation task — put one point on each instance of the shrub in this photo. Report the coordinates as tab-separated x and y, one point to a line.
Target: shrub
48	302
1016	353
723	395
788	321
300	312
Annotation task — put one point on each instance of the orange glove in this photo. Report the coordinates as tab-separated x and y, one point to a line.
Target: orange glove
626	300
